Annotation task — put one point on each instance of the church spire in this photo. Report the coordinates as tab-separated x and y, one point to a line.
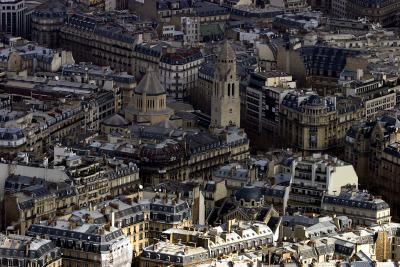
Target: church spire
227	52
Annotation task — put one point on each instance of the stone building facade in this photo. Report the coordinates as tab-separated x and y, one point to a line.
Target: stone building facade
141	220
384	12
18	250
373	149
90	41
313	123
30	200
188	248
179	71
84	243
47	21
360	206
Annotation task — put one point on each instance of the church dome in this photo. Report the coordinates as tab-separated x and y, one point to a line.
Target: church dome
150	85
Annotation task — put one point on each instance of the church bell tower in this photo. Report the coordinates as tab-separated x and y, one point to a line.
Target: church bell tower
225	99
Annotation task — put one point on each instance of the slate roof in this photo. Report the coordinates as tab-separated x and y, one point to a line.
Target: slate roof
10	134
51	9
249	193
210	186
182	56
326	61
356	203
150	84
205	9
227	51
116	120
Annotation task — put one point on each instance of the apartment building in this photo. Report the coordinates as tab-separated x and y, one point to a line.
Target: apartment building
163	254
198	247
170	158
359	206
191	30
377	93
92	41
47	20
313	176
84	243
121	83
313	123
141	220
147	55
383	12
339	8
33	58
264	95
59	119
234	175
18	250
30	200
179	70
34	199
93	183
372	148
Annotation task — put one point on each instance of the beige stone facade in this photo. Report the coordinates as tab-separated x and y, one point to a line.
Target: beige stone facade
373	149
225	100
100	47
318	124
